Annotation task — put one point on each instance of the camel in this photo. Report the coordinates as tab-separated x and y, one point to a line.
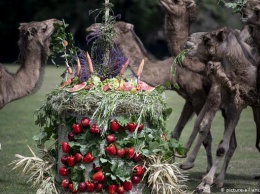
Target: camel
178	18
34	45
224	46
173	19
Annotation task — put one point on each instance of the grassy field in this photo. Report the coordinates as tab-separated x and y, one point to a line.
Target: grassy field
17	129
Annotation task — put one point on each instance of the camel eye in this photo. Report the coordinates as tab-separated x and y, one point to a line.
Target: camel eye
257	12
44	29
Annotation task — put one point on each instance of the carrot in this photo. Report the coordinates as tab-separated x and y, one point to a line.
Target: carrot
90	65
69	70
140	69
78	67
124	67
65	43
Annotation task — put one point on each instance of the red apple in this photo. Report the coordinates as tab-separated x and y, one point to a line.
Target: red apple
114	126
64	160
78	157
111	138
88	158
138	170
130	152
76	128
71	136
65	183
128	185
120	189
121	153
71	160
111	149
63	171
82	186
85	121
111	189
135	179
131	126
98	176
95	129
141	127
90	186
96	168
137	157
98	186
65	147
72	190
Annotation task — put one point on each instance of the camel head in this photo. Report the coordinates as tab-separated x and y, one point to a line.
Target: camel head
213	45
123	31
36	34
178	8
250	10
224	45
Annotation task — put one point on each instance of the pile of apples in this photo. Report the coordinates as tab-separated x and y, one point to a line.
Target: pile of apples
95	184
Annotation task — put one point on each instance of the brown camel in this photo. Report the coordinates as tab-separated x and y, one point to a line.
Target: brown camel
34	45
173	18
178	18
225	46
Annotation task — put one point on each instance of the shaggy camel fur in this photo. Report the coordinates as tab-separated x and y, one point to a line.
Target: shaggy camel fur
226	47
34	45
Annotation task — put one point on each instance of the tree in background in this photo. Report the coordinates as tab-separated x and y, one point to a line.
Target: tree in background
146	15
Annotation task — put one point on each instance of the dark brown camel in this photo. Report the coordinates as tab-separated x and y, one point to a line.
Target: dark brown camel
34	45
172	19
178	18
224	46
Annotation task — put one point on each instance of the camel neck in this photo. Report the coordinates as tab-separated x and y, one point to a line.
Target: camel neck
177	32
29	76
132	48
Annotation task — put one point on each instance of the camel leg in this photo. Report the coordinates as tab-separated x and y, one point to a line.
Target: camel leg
232	120
203	122
256	112
186	114
219	181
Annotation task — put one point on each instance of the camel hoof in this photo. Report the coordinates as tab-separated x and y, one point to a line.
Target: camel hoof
203	188
198	191
186	166
218	184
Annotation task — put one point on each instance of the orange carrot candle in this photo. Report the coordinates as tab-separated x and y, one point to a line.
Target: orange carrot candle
78	67
90	66
140	69
124	67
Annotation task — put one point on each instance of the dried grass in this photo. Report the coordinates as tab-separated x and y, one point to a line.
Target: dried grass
39	172
164	177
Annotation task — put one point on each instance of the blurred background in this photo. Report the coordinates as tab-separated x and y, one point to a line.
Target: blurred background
146	15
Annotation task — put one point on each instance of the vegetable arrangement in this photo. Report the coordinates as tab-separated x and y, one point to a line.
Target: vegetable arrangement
113	127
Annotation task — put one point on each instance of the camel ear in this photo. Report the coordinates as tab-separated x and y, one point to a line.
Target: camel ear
129	26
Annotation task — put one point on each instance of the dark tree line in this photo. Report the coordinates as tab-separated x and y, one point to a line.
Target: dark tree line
146	15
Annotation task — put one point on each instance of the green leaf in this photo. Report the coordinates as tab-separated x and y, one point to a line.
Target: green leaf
40	138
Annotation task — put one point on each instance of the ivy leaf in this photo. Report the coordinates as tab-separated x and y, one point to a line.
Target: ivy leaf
76	174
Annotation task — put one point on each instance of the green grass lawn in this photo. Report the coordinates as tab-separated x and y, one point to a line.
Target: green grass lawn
17	129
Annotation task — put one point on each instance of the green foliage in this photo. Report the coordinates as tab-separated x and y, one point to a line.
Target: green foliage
236	6
59	46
